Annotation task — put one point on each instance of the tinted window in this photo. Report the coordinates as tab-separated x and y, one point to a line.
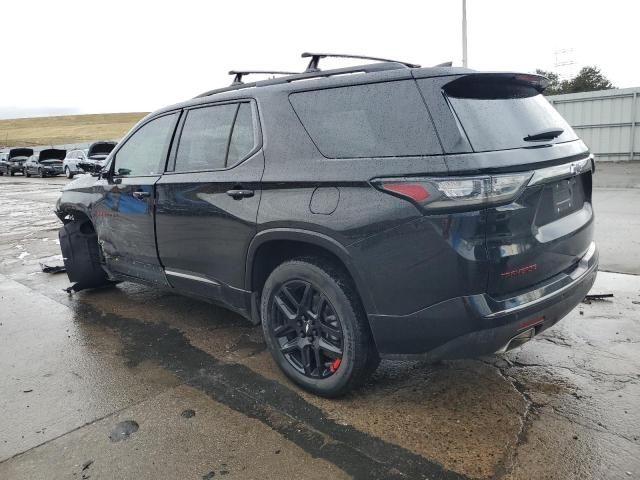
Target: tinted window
500	118
242	138
205	137
374	120
145	151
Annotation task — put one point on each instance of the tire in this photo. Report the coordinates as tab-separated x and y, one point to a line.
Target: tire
81	254
68	173
26	172
343	363
41	173
12	173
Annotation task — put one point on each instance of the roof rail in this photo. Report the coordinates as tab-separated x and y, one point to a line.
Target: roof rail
240	73
374	67
315	59
444	64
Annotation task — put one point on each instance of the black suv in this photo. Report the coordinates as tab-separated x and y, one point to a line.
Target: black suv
14	160
377	211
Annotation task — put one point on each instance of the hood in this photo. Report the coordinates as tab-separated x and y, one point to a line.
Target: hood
52	154
20	152
100	150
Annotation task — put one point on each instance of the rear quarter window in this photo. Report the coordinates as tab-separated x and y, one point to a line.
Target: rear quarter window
372	120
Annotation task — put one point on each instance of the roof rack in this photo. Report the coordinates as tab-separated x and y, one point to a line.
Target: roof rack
312	71
315	59
240	73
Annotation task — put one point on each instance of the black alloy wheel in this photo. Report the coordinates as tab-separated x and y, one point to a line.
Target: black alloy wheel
315	327
307	329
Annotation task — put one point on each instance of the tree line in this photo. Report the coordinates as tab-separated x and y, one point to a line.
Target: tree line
588	79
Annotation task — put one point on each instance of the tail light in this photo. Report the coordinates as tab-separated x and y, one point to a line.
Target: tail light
454	193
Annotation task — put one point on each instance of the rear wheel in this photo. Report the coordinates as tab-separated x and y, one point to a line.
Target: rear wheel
12	173
315	327
41	173
26	172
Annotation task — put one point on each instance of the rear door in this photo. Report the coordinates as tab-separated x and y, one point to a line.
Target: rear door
124	215
208	199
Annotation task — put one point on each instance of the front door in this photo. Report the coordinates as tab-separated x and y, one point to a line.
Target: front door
124	216
208	200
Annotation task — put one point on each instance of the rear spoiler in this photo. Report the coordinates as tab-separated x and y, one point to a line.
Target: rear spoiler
496	85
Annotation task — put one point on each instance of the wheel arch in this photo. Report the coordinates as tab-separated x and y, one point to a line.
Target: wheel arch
271	247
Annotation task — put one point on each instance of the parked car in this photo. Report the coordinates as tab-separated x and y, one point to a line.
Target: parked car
45	163
403	212
87	161
3	161
14	161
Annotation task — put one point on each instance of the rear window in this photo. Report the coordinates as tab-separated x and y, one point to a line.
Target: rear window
500	116
372	120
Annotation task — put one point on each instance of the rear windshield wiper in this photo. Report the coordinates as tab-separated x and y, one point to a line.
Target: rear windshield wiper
548	134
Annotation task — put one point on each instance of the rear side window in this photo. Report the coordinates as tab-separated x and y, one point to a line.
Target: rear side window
373	120
499	116
204	139
215	137
243	136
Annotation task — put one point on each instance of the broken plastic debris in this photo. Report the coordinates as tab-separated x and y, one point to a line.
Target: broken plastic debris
596	297
22	255
53	264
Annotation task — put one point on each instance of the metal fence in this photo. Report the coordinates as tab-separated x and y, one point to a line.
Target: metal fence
607	121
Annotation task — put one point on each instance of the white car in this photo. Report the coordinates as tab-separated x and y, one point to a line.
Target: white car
87	161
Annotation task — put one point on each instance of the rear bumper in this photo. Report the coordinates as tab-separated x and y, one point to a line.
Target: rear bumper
477	325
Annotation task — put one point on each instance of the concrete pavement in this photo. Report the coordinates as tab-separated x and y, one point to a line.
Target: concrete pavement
208	401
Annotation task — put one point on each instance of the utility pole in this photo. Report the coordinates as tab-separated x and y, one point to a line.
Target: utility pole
464	33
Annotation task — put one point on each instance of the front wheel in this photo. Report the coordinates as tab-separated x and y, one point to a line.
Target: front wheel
315	327
68	173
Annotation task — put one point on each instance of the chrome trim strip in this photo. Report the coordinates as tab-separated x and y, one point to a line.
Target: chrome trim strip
190	277
549	174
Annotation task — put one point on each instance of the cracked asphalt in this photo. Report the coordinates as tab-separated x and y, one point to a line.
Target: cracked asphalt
131	382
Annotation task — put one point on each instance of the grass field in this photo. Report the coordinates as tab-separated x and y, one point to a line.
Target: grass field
66	129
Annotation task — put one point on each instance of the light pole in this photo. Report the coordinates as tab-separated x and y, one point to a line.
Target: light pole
464	33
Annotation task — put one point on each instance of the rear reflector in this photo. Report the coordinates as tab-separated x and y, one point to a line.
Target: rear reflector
413	191
531	323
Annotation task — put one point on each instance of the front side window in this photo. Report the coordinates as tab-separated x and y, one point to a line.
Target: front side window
145	151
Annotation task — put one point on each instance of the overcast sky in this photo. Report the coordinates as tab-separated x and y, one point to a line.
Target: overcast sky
67	56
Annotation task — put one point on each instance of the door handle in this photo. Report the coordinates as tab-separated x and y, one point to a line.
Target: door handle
239	193
140	194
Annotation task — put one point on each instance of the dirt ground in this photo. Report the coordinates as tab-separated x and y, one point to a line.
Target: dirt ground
132	382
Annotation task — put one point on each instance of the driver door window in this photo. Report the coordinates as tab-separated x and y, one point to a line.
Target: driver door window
145	151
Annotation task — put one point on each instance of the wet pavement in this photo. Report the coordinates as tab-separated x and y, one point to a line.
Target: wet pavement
130	382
